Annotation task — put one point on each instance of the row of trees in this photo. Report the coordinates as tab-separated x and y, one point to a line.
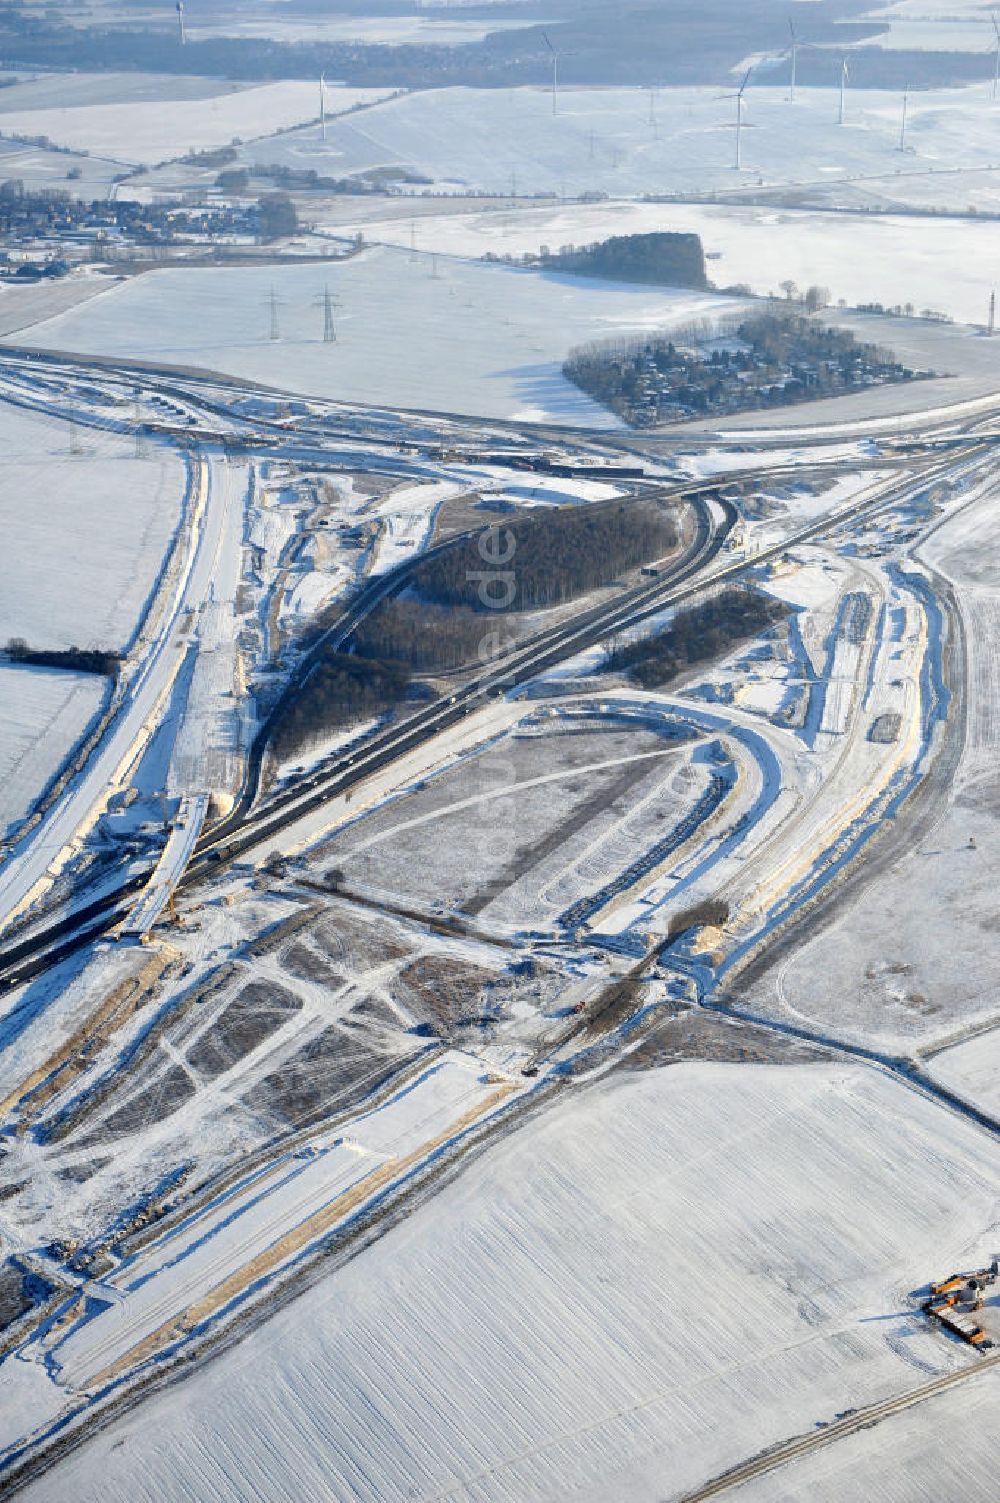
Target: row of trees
425	637
664	258
696	635
340	689
782	340
553	556
72	659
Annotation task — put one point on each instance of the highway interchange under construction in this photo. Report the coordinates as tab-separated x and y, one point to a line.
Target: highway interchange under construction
229	963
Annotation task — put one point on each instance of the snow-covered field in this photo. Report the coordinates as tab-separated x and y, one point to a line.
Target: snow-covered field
435	29
934	26
576	1311
85	538
20	307
440	24
603	140
449	336
42	716
39	169
171	120
860	258
42	91
971	1070
903	1458
84	534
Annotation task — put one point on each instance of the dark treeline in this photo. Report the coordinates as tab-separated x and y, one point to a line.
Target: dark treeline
307	179
28	40
687	41
73	659
550	556
665	259
340	690
695	636
427	638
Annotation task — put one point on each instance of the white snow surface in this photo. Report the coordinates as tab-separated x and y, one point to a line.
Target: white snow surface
484	340
439	27
20	307
156	130
42	717
971	1070
28	1399
496	140
84	536
863	258
408	514
902	1459
574	1314
39	169
934	26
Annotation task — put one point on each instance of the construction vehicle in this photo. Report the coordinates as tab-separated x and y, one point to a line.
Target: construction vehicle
946	1286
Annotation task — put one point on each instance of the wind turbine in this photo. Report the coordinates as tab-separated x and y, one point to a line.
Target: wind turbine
794	54
845	73
180	21
738	96
555	73
322	106
996	58
902	126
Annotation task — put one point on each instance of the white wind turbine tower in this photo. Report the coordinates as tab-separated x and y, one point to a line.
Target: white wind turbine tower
902	126
322	106
738	96
180	21
845	73
793	53
996	55
555	74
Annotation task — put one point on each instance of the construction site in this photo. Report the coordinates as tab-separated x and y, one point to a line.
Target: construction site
968	1306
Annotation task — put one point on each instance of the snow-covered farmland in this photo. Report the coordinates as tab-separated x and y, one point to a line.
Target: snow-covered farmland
45	91
449	336
85	534
431	28
444	24
42	716
584	1302
40	169
907	1458
168	118
613	141
940	26
862	259
20	307
971	1070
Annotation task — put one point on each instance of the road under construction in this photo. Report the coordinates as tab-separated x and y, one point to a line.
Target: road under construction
262	824
247	827
55	384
